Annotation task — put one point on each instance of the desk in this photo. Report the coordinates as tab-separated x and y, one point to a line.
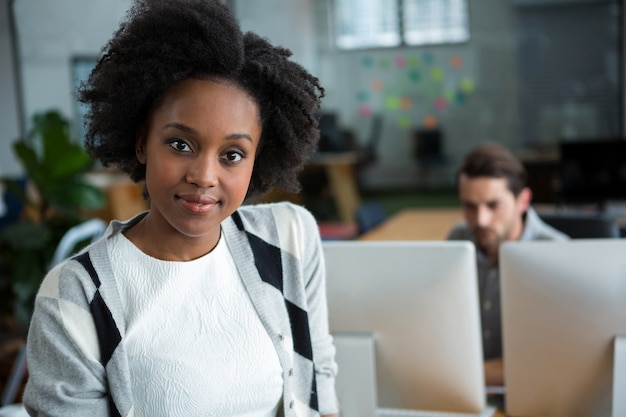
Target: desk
124	198
416	224
339	167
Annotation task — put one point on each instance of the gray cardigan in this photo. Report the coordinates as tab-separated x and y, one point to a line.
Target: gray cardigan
76	357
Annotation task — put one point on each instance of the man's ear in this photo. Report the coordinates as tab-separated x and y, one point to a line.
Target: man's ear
524	198
140	147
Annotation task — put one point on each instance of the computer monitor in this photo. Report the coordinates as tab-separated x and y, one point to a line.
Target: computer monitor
563	304
419	299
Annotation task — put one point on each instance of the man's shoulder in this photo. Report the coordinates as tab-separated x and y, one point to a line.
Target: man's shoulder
459	231
537	229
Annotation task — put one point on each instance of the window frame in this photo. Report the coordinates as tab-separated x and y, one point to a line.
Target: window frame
400	25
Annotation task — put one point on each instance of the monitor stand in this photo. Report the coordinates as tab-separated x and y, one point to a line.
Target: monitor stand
619	376
356	379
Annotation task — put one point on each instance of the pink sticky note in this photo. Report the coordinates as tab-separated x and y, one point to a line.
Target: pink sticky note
365	110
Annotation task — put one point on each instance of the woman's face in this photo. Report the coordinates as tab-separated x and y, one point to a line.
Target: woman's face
199	151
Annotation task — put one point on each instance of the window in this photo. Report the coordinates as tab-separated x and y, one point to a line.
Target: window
366	23
81	68
384	23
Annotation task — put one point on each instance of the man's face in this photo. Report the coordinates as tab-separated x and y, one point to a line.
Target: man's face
492	212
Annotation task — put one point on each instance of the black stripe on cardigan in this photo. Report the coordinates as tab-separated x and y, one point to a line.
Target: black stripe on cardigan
108	335
267	259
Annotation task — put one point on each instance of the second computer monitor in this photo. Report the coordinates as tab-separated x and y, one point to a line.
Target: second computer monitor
420	301
563	305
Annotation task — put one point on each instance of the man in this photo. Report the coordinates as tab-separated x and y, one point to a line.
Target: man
496	207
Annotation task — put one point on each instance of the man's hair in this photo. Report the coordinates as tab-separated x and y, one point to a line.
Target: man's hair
162	42
493	160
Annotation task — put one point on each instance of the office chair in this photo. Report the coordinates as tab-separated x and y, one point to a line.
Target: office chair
429	147
429	153
91	229
582	226
369	215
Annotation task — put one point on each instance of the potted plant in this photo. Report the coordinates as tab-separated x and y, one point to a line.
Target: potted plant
56	198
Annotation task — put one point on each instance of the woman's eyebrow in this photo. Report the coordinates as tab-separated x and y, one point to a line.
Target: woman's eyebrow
239	136
182	127
188	129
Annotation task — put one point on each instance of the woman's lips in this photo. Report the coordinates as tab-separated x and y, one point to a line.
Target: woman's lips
197	203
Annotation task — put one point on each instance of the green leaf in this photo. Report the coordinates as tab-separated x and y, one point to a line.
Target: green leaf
51	142
28	157
25	236
75	194
71	160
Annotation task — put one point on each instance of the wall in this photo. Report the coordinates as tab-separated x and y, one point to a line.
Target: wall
50	34
470	88
289	24
10	117
569	71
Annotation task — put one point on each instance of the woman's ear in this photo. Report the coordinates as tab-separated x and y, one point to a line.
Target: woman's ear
140	147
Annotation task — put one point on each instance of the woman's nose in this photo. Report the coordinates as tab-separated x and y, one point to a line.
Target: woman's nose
203	172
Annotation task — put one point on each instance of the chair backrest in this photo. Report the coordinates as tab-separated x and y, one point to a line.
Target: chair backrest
583	226
428	146
91	229
369	215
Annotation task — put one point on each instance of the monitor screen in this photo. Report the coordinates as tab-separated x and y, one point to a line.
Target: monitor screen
592	171
419	299
563	303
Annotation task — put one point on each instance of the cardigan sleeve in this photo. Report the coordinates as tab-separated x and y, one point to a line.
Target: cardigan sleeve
321	340
65	375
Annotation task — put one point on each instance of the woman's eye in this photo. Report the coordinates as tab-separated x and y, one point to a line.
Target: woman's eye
179	145
233	156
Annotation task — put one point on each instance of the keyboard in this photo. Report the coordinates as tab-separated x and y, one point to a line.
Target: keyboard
489	411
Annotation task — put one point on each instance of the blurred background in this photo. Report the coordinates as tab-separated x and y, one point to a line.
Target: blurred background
454	73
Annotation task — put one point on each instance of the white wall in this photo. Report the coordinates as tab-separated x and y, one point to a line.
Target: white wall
289	24
50	34
9	96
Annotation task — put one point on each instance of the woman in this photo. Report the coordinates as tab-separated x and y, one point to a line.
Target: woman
201	306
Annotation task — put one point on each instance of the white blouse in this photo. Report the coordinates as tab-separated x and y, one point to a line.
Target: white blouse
195	343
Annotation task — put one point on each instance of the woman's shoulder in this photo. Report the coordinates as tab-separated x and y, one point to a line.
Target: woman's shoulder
84	267
69	279
283	210
281	218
